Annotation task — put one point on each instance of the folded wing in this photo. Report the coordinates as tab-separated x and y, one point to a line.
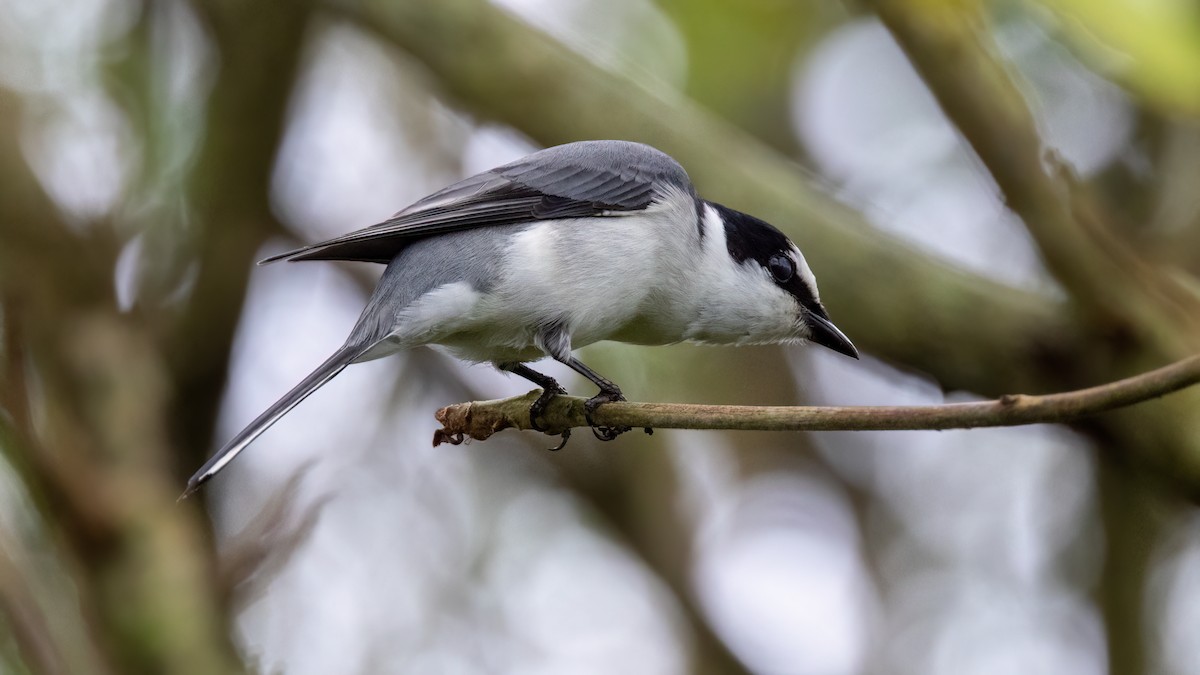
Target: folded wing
577	180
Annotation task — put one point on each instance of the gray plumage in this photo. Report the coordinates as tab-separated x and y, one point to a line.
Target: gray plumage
588	178
617	174
424	265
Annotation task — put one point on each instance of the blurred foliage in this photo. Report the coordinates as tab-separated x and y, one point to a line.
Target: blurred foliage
742	57
1150	46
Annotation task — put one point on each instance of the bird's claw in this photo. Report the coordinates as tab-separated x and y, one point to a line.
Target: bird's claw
566	436
608	433
538	408
590	406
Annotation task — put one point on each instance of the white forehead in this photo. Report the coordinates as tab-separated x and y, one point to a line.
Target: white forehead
805	272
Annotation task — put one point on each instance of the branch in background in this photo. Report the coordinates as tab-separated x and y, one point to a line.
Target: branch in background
1137	519
229	190
951	48
479	420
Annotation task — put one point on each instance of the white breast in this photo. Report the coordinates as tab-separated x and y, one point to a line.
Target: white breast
614	277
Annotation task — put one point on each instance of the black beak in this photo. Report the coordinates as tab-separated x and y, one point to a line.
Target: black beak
826	334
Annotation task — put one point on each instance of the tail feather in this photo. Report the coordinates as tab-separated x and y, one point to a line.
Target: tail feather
324	373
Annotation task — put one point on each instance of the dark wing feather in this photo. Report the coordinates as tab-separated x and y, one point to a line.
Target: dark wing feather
577	180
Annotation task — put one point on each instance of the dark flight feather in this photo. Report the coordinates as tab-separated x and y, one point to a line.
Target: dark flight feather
577	180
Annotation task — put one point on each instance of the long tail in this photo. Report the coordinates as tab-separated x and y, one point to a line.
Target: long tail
324	373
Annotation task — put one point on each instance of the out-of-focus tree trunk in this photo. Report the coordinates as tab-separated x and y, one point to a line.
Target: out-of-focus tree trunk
88	435
1134	513
260	48
106	409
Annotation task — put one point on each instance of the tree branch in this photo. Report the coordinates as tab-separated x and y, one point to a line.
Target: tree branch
480	419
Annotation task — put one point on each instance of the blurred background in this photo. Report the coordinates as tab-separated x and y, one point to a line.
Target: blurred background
996	196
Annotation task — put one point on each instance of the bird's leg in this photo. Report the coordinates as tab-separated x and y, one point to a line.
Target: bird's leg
555	340
609	393
550	389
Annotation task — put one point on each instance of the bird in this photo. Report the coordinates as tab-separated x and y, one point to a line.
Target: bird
568	246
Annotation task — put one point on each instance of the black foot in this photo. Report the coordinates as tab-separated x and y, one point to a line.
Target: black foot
590	406
539	406
550	389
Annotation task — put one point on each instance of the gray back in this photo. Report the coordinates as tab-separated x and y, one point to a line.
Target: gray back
472	256
623	174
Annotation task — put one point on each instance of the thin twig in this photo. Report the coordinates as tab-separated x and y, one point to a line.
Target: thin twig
481	419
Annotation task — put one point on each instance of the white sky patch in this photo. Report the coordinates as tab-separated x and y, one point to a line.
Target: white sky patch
576	602
781	579
360	146
79	147
1171	607
631	37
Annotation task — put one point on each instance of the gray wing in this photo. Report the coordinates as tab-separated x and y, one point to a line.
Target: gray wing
576	180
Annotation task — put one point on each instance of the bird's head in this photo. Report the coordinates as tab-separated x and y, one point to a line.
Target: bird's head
768	285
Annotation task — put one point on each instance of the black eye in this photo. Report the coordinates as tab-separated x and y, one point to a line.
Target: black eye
782	268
